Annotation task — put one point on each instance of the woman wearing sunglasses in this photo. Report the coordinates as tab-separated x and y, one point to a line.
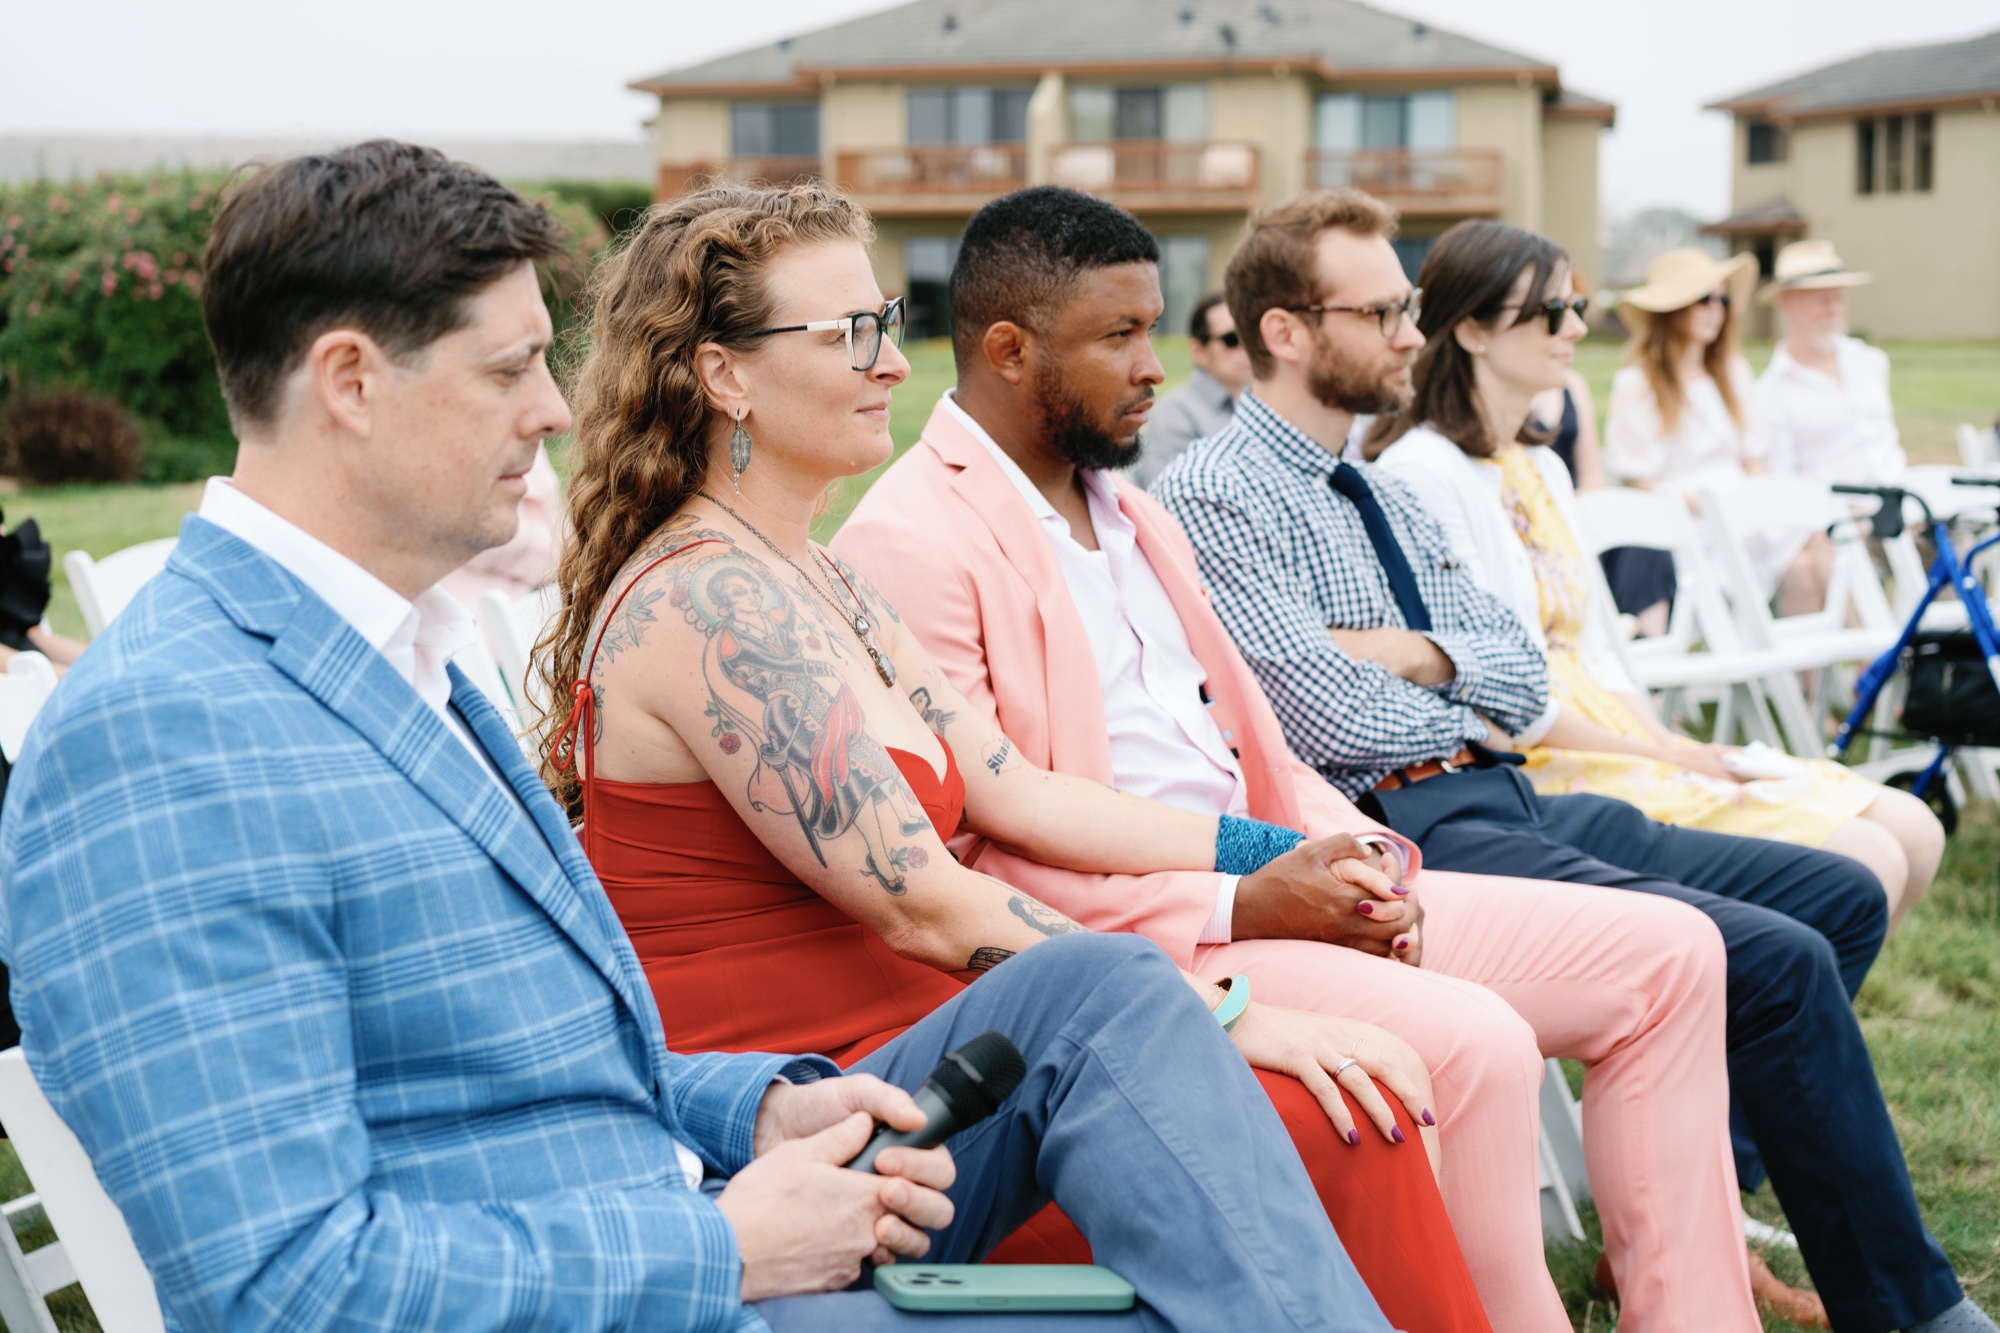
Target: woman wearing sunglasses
768	764
1495	343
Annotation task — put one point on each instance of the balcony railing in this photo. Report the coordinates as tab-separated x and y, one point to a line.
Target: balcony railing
1150	172
969	173
678	178
1415	179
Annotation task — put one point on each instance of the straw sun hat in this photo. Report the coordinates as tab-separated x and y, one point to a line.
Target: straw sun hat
1679	278
1804	265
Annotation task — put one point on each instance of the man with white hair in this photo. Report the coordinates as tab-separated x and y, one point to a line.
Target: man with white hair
1825	395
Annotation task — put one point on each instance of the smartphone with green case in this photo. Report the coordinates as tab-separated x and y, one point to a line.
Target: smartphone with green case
1003	1287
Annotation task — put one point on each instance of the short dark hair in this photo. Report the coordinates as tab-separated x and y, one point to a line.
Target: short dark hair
1198	321
1275	266
1467	275
386	237
1022	253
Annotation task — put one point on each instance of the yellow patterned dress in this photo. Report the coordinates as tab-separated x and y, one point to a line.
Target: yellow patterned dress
1803	809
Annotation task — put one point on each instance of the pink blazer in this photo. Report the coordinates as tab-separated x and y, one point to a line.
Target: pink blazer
962	558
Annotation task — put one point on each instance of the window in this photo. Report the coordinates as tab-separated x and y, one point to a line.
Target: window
927	265
1895	153
1183	278
968	115
1177	113
1864	157
774	129
1766	142
1411	250
1343	122
1923	150
1892	154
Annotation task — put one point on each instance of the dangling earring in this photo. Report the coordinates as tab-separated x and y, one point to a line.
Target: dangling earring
739	454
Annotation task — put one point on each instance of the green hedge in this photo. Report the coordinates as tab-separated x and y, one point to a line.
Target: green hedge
99	291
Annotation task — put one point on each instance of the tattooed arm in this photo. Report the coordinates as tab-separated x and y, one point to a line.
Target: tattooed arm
736	663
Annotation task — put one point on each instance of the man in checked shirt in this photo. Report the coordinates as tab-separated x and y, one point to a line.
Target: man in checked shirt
1406	685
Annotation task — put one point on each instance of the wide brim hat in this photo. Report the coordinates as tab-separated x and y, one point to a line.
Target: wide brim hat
1807	266
1679	278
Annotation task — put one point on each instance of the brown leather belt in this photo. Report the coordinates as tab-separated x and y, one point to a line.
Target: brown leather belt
1404	776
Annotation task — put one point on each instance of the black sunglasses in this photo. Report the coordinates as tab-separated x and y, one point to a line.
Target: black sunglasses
1723	297
1231	339
1554	309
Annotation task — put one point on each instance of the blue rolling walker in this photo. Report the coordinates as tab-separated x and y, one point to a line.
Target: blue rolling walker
1953	691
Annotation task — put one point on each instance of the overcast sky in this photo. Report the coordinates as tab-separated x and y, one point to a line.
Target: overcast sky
535	69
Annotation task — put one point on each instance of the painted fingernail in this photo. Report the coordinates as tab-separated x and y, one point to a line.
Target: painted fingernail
1396	1133
1354	1137
1426	1118
1400	888
1402	945
1365	907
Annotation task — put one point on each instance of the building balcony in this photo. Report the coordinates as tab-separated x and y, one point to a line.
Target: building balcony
1460	181
677	178
1151	175
922	178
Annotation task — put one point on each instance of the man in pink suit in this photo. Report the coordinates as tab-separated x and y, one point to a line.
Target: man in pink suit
1069	606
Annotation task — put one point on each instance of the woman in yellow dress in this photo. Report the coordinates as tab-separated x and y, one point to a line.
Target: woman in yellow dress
1497	337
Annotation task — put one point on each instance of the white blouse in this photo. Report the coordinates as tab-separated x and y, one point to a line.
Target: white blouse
1706	449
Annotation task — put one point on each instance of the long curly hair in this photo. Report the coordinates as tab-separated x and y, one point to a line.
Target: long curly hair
691	273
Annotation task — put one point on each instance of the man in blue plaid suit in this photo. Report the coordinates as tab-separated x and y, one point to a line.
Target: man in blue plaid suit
313	965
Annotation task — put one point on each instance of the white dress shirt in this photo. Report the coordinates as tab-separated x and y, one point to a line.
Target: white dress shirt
1165	746
417	638
1839	430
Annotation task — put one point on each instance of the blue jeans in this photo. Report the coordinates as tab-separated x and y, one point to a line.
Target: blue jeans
1801	927
1143	1122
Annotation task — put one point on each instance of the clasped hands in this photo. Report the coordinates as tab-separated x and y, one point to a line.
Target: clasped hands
1335	890
803	1221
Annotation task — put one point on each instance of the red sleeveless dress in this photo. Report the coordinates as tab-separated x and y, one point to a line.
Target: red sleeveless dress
743	957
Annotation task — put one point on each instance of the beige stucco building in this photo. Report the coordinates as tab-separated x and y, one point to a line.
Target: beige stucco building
1894	156
1188	112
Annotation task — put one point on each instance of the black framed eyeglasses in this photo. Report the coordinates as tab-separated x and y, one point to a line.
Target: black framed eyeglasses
1389	316
865	330
1553	311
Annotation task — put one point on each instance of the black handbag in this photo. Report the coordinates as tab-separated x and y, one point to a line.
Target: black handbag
1951	693
25	563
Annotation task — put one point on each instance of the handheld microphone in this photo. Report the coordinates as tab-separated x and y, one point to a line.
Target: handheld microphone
967	1086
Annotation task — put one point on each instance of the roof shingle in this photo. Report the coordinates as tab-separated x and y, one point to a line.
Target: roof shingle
1341	34
1939	71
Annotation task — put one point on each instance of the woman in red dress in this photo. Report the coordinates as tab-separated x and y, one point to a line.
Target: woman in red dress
768	765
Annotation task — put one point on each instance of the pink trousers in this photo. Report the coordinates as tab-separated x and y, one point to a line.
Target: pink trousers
1513	970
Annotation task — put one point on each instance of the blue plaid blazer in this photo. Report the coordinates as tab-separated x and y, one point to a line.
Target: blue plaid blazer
352	1037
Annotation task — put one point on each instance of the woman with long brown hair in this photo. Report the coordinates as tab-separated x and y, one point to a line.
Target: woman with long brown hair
767	764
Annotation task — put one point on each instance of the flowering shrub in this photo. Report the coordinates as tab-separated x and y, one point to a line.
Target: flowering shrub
100	287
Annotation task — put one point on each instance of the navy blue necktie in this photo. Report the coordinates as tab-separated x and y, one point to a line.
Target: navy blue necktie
1347	479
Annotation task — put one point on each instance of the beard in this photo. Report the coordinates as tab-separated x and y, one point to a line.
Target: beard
1347	388
1066	422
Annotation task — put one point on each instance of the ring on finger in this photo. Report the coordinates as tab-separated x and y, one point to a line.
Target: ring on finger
1344	1066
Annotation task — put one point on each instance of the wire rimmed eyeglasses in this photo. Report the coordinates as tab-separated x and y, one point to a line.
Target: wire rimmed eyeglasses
865	330
1389	315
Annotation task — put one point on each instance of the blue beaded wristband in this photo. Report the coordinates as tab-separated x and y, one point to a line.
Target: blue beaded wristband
1234	1003
1243	846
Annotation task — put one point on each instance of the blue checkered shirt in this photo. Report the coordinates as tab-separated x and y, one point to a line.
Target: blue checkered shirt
1286	559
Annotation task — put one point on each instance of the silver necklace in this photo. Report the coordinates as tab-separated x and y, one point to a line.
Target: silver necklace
856	620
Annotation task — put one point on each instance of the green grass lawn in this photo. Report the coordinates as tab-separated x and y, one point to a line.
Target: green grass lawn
1931	1008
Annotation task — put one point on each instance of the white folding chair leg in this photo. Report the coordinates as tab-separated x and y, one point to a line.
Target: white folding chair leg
26	1277
1564	1181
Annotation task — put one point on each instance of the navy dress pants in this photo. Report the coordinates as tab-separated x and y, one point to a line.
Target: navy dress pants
1141	1119
1801	927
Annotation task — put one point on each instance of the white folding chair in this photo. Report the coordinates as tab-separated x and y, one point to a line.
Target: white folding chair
105	587
29	681
95	1246
1978	448
1781	504
1702	656
1564	1182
